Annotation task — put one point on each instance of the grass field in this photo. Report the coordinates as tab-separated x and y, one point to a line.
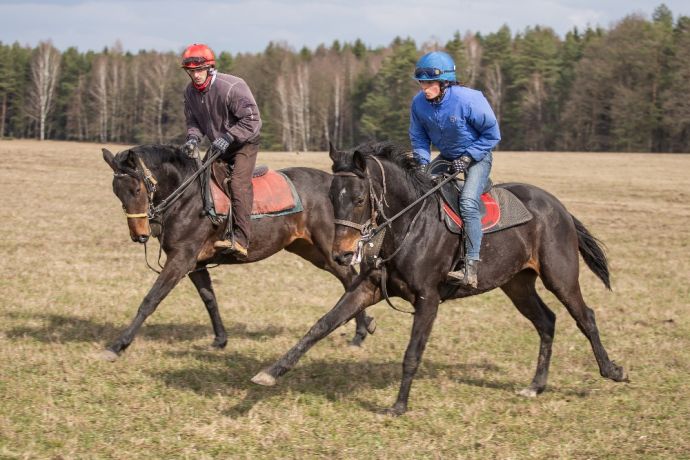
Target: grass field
71	280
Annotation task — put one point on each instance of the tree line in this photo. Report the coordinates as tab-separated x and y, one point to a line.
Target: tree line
624	88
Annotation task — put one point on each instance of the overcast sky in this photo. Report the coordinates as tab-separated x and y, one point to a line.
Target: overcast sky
248	26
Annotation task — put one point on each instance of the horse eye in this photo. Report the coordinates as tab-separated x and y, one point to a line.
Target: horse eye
359	201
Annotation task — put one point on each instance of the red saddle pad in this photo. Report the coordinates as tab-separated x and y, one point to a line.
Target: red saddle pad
489	219
272	193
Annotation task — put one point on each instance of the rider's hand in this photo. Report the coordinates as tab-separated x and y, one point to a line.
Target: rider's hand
191	147
461	164
223	142
421	168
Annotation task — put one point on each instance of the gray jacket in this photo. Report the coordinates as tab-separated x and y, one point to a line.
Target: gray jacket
226	106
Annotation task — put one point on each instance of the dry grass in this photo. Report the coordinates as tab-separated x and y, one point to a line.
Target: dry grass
71	280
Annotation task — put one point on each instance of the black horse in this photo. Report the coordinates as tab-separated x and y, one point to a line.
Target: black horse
147	174
384	182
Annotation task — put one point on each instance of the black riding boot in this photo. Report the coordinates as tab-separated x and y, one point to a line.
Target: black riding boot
466	276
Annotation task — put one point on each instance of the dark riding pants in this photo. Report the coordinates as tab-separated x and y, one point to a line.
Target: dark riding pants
244	160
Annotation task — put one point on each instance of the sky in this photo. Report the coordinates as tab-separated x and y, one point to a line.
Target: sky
242	26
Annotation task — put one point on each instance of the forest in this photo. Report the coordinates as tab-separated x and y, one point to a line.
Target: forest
622	88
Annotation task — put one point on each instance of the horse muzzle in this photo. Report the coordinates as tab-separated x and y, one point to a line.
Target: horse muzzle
140	238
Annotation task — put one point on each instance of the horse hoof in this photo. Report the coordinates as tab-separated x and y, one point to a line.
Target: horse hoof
108	355
396	411
371	325
528	392
264	378
355	345
219	344
618	374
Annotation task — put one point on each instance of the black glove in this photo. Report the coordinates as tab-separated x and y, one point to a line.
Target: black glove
421	168
461	164
222	143
191	147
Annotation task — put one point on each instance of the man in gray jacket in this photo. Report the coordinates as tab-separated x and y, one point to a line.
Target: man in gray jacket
222	108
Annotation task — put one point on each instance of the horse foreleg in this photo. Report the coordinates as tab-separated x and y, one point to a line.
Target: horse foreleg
175	269
361	294
425	313
204	286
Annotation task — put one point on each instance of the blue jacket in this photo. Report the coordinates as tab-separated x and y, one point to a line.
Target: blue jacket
461	123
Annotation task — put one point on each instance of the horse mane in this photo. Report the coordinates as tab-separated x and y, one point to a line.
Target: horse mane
155	156
396	154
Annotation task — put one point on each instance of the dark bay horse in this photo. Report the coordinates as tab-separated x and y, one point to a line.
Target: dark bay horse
383	182
147	174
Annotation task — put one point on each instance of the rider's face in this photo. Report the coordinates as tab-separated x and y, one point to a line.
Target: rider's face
432	89
198	75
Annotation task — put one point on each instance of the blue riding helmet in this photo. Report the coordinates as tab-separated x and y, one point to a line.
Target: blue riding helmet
435	66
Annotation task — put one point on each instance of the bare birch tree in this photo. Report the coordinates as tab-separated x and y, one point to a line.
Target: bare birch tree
495	89
116	91
156	81
285	122
45	66
99	94
473	53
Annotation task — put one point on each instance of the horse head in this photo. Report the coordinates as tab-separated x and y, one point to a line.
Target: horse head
134	188
352	206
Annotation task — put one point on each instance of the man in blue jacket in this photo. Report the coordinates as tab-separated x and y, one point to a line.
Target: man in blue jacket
460	122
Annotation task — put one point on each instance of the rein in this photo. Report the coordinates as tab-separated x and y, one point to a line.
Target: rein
151	183
177	193
369	229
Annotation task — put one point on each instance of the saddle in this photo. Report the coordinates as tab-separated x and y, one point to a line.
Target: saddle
274	194
499	208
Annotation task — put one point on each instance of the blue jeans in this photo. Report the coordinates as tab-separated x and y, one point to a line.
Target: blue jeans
476	177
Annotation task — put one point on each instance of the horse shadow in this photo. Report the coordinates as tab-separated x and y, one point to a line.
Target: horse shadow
333	379
56	328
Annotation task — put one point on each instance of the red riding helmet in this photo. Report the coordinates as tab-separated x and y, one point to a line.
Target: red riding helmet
198	56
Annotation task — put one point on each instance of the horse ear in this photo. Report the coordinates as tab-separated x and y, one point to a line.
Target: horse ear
130	159
110	159
359	162
332	152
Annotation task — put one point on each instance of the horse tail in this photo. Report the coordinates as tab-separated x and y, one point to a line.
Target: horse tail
591	250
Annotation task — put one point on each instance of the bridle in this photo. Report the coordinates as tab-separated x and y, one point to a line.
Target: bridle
375	203
370	228
150	183
154	213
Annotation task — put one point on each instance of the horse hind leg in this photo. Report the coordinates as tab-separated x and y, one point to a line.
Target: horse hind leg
202	282
522	292
564	284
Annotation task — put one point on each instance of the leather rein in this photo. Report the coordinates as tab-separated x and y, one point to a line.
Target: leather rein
369	229
150	182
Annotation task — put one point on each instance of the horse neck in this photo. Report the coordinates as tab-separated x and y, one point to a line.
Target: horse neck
169	177
398	193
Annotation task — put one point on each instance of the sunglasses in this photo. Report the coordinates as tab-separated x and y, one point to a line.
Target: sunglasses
427	72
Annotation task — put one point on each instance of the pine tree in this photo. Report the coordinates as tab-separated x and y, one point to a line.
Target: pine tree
386	108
